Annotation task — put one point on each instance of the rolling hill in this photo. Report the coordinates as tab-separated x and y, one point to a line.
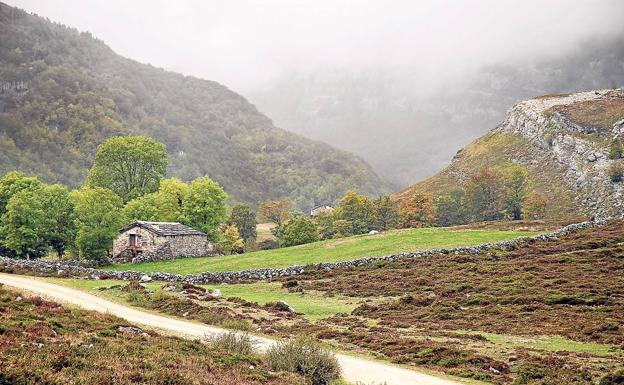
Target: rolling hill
63	92
562	140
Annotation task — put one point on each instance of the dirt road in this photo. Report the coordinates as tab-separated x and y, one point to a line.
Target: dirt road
354	369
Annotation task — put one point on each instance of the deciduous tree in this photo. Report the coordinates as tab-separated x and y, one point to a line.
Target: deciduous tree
98	220
244	218
277	211
130	166
170	199
451	209
204	207
23	224
143	208
231	240
14	182
517	186
417	211
297	231
485	195
358	210
535	206
385	213
60	223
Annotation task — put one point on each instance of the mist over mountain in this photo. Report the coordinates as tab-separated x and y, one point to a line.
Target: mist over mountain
64	92
408	125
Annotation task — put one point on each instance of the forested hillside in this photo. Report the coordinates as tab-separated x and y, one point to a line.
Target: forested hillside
63	92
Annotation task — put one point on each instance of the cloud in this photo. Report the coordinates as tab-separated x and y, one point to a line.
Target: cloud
247	44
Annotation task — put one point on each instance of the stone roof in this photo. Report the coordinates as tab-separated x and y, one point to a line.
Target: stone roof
165	229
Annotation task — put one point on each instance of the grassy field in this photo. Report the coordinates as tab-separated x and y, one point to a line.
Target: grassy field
334	250
312	304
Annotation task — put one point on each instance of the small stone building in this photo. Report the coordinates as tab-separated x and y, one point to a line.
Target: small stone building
152	241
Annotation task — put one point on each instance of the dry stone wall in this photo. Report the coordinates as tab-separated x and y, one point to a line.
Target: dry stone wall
78	269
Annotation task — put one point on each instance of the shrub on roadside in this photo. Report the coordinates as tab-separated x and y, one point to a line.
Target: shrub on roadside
305	357
233	343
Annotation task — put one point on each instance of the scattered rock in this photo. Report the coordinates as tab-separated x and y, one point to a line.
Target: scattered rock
132	330
216	293
146	278
373	232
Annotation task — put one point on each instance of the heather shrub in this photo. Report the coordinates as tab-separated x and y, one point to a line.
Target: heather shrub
305	357
233	343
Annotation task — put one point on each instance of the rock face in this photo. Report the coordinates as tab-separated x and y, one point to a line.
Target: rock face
554	125
563	141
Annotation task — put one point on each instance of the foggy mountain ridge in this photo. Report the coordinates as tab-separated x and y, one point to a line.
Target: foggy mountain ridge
409	132
80	92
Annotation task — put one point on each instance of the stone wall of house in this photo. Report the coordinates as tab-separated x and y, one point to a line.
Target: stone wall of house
147	240
157	248
77	269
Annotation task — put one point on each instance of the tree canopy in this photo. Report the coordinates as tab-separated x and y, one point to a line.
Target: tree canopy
130	166
205	208
98	220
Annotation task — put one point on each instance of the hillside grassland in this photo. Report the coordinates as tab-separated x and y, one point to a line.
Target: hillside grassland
334	250
45	343
601	114
311	304
547	312
494	151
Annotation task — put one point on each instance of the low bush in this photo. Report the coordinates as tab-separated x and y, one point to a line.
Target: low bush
233	343
305	357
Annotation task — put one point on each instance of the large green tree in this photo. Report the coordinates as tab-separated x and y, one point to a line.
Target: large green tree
297	231
230	240
14	182
204	207
451	208
357	210
98	220
60	223
244	218
485	196
130	166
170	199
385	213
143	208
24	224
517	188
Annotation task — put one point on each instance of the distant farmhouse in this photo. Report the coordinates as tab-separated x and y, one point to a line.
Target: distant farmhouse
320	209
151	241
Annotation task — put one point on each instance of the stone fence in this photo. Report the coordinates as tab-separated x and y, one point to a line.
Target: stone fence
72	268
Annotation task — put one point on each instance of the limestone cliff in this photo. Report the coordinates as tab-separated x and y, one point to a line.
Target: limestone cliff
564	142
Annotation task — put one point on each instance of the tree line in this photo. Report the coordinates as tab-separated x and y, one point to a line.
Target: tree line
488	195
127	182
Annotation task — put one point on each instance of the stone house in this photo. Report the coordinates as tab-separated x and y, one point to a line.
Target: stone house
152	241
320	209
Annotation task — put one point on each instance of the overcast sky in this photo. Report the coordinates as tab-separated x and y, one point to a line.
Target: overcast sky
245	44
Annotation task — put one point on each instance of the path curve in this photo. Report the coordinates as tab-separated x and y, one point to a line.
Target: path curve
354	369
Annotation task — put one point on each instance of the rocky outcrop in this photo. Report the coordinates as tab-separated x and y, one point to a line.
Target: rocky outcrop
580	150
77	269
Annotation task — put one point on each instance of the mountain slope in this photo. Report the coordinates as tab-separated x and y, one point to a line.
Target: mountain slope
562	140
63	92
